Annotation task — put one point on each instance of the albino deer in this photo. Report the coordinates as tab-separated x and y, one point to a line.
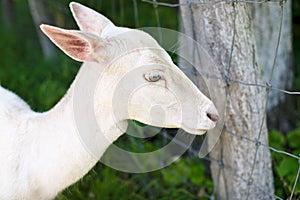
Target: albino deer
41	153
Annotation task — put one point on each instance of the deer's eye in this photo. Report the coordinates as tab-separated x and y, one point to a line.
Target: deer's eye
153	76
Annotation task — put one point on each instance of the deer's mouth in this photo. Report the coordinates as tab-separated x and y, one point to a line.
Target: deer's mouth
195	131
200	130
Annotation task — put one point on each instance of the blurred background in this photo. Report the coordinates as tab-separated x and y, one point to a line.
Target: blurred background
38	72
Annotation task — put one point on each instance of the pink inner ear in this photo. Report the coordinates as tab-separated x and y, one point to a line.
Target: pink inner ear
76	48
73	44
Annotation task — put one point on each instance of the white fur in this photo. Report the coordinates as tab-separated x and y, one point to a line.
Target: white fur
41	154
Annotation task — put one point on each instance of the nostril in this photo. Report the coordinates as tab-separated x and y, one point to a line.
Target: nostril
212	117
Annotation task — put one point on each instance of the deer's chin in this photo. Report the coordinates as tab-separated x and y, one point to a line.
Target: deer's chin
195	131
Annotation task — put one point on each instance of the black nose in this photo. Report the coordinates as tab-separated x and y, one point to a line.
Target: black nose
213	117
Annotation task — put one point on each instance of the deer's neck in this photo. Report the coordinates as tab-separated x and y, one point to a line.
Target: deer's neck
64	148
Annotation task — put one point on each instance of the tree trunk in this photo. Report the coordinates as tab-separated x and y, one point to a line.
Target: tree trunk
244	167
8	12
40	16
266	19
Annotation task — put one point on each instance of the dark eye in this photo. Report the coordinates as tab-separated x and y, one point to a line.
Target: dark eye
153	76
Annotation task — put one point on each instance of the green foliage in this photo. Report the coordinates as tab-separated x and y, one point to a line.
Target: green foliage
293	139
277	139
107	186
186	179
285	167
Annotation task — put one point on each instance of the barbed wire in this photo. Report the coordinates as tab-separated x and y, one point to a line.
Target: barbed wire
201	3
268	86
268	92
220	163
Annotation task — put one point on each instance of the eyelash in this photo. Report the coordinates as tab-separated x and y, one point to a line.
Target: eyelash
153	76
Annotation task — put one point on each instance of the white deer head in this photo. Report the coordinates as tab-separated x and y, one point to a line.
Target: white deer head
136	74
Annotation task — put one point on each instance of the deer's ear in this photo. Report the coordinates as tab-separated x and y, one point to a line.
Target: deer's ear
76	44
89	20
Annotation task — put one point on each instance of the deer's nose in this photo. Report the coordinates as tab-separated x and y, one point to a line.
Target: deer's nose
212	113
213	117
